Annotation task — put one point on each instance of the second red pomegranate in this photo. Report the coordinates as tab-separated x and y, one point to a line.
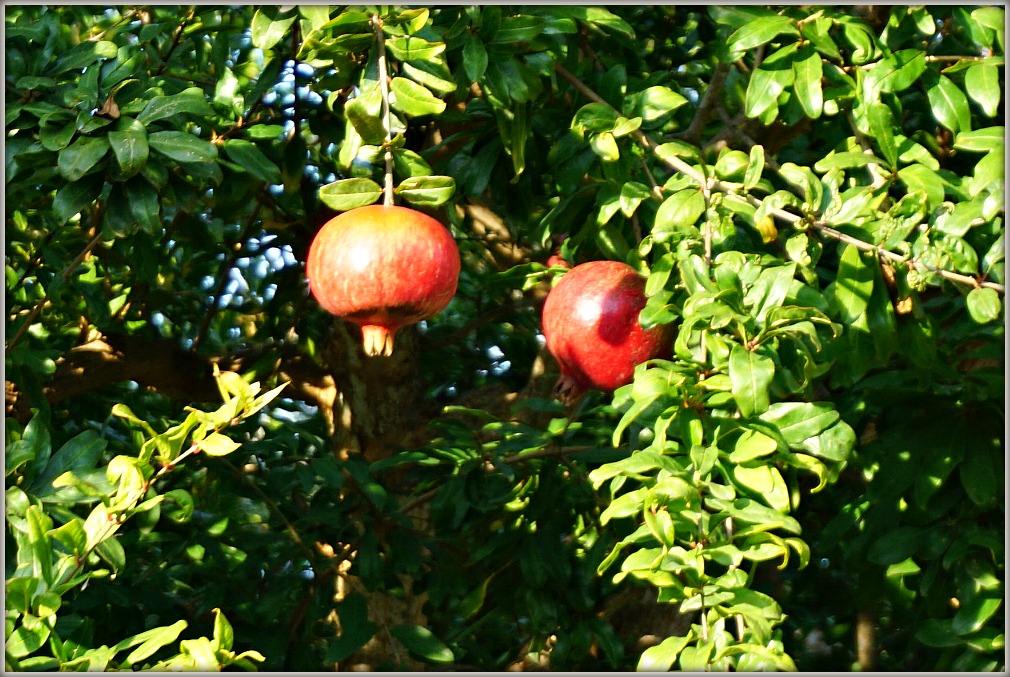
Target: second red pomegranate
590	322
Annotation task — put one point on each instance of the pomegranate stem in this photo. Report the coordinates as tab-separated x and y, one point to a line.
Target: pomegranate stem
380	39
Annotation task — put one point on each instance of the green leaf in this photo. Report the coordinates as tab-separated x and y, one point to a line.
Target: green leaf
751	375
74	197
522	28
224	635
881	124
269	26
474	57
755	167
660	658
413	99
80	452
759	31
217	444
81	156
182	146
144	204
984	305
129	145
921	178
799	421
150	641
682	209
853	286
55	136
248	155
807	73
982	82
411	48
422	642
39	525
982	140
751	445
191	100
982	473
896	72
974	613
365	113
428	191
948	103
84	54
347	194
653	104
434	75
764	89
937	633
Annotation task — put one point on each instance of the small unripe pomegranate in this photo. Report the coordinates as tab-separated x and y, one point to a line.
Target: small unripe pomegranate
382	267
590	321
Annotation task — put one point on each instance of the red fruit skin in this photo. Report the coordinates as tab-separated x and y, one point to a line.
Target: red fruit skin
382	267
590	321
556	260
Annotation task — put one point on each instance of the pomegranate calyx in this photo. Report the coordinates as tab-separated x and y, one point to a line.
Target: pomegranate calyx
568	389
377	340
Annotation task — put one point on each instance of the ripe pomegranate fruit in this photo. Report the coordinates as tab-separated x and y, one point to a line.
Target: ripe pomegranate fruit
382	267
590	321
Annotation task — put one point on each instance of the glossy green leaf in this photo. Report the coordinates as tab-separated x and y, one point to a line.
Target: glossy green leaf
800	421
982	83
269	25
182	146
81	156
974	613
474	57
881	125
413	99
84	54
422	642
521	28
681	209
755	167
217	444
129	145
807	75
948	103
751	374
764	89
191	100
430	191
896	72
750	445
760	31
248	155
411	48
661	658
74	197
984	305
433	74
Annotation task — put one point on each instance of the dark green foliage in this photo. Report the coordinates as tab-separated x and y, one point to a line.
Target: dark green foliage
815	196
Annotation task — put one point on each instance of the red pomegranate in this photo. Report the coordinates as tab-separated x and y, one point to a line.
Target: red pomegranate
590	321
382	267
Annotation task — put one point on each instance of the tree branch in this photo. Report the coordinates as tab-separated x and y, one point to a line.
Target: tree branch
163	366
